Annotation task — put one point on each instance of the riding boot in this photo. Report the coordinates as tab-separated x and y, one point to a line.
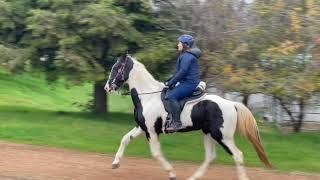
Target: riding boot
175	109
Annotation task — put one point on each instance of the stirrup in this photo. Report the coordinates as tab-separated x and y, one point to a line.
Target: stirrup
172	127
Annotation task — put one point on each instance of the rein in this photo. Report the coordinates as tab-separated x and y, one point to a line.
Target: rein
154	92
150	92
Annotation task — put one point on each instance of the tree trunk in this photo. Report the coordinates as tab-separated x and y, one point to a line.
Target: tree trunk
245	99
100	98
298	123
287	109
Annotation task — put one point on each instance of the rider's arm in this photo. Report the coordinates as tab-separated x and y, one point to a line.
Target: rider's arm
184	66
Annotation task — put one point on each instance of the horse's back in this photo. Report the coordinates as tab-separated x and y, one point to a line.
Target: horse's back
219	100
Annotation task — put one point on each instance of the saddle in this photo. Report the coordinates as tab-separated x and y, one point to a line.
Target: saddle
196	95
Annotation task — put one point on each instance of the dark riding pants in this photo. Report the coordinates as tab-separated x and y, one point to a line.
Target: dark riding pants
172	98
181	91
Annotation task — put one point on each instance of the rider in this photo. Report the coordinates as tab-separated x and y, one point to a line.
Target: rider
185	80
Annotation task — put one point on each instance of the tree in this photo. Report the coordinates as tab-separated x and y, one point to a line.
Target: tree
79	39
288	60
13	33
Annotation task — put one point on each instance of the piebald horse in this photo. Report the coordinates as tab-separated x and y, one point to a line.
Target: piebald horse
218	118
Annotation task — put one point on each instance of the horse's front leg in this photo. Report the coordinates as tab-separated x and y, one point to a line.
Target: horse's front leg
157	154
135	132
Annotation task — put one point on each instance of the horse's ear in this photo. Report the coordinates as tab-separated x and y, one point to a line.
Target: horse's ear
126	54
122	57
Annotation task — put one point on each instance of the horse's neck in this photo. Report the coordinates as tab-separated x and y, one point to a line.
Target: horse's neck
142	80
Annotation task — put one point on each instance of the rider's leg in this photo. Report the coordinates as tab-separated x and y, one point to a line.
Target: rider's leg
173	106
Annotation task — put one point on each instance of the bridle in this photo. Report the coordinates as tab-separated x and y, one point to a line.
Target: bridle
119	73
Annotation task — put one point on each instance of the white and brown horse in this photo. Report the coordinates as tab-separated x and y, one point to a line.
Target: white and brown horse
218	118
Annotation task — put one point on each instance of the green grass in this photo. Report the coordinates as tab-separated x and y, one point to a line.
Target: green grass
33	112
32	91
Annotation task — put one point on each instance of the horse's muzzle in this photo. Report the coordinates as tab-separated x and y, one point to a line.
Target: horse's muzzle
113	87
107	88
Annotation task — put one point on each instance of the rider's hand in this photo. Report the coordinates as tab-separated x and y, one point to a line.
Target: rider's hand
171	85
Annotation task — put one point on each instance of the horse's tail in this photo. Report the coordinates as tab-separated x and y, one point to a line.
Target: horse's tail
247	126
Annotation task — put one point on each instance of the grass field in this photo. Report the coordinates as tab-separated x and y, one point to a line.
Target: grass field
33	112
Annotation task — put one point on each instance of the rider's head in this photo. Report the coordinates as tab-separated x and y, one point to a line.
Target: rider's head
185	42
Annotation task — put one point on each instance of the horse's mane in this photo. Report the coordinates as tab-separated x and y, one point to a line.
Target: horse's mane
141	68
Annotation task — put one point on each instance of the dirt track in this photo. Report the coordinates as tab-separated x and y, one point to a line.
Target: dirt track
26	162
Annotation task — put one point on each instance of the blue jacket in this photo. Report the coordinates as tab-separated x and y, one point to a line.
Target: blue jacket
187	68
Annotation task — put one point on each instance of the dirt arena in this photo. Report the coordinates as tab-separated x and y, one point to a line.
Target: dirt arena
27	162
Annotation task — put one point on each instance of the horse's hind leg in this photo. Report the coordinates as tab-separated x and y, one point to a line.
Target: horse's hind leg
238	158
157	154
210	155
135	132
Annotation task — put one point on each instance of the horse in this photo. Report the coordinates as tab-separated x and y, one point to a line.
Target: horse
218	119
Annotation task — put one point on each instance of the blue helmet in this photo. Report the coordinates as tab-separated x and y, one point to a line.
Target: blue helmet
186	39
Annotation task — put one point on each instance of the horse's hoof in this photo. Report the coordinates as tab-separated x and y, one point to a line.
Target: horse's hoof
115	166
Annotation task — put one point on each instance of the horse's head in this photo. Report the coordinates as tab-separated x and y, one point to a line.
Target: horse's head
119	73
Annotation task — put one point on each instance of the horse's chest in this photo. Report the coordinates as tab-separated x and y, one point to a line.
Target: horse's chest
138	110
